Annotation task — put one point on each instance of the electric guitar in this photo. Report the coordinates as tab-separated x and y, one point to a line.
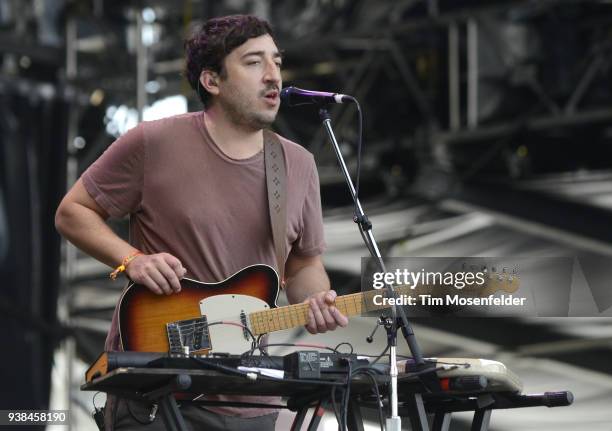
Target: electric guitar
225	316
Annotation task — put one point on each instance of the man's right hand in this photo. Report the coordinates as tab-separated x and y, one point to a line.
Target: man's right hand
159	272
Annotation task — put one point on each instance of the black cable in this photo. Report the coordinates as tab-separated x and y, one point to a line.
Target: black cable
359	144
357	218
93	400
370	373
380	356
331	349
335	407
340	344
346	397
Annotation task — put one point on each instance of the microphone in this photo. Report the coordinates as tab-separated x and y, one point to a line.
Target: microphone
294	96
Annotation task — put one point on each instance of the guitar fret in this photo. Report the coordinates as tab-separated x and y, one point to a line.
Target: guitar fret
285	315
266	325
275	321
294	316
301	315
346	309
254	324
298	314
281	318
268	321
261	324
304	310
288	319
251	323
353	304
271	323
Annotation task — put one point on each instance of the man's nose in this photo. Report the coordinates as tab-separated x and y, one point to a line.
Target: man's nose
272	73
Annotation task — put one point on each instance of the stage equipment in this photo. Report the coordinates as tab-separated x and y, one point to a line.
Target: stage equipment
468	385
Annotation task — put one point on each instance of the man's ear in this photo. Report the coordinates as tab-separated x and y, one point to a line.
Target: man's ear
209	81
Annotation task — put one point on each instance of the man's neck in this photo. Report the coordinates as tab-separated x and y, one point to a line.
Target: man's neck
236	141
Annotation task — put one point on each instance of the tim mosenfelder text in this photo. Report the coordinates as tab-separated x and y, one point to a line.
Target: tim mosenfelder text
447	300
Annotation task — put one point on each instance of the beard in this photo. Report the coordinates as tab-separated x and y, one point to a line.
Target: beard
239	108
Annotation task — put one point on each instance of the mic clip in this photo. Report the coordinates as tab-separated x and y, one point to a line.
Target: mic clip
363	222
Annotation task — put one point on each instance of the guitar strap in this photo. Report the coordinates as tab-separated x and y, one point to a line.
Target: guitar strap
276	179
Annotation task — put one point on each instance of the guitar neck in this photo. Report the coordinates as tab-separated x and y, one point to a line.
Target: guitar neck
295	315
292	316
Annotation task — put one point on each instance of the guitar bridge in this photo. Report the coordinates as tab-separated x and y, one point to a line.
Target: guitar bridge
192	334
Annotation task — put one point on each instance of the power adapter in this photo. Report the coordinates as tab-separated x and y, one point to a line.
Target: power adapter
303	364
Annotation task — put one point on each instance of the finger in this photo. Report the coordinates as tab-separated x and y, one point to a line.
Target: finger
175	264
151	285
159	279
171	277
311	325
330	320
339	318
319	320
330	297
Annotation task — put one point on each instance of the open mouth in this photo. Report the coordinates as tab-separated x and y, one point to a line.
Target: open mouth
271	95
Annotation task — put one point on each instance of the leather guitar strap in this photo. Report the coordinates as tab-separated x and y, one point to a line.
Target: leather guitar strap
276	179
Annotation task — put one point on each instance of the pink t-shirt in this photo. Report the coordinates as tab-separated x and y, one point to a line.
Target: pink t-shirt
187	198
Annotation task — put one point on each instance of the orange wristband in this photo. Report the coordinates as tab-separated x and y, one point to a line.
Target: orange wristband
124	263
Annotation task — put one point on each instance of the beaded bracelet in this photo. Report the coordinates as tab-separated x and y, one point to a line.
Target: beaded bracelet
124	263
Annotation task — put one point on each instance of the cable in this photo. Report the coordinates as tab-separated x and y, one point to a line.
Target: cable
357	218
335	407
380	356
225	322
314	346
254	341
348	344
93	400
347	395
370	373
359	145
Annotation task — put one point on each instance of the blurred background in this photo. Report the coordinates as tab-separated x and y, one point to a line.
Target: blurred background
487	133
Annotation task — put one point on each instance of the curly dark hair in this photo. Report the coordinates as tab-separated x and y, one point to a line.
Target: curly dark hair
217	38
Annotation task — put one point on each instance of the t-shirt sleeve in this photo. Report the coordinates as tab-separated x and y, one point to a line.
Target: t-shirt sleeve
115	180
311	240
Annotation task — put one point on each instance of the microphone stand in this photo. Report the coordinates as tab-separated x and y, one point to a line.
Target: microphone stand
398	316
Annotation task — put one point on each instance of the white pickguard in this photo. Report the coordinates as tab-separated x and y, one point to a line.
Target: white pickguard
228	308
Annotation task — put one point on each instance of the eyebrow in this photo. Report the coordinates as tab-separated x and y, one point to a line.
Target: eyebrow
277	54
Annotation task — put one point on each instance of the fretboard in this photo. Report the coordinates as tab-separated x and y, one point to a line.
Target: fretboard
292	316
295	315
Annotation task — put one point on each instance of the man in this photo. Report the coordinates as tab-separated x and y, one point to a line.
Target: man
194	186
